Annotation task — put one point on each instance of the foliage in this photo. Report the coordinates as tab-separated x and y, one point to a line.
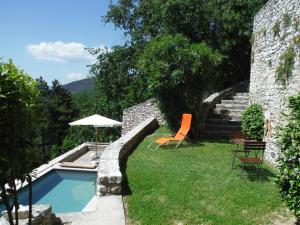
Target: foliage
163	188
286	20
276	28
286	65
79	134
296	40
289	164
253	122
179	74
296	23
225	27
209	27
55	109
18	96
116	78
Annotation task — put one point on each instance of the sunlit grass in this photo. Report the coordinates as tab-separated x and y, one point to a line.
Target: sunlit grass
195	184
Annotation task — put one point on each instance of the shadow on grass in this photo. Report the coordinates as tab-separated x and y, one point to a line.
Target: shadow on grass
254	174
123	168
219	141
185	145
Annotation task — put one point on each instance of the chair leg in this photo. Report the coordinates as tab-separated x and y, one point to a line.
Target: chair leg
178	144
154	149
233	159
150	145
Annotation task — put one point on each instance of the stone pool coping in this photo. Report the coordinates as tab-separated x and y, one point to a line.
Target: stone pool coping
54	163
108	210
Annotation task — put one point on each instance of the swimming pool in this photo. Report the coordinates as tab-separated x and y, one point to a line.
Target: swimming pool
66	191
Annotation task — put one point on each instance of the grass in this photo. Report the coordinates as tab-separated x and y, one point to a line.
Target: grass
195	184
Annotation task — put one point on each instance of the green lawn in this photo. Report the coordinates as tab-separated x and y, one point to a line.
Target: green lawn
194	184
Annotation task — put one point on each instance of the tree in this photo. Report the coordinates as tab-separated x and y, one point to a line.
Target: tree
225	25
18	95
61	111
79	134
42	122
180	74
117	84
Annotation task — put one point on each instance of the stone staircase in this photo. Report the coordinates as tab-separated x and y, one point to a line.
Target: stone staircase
225	117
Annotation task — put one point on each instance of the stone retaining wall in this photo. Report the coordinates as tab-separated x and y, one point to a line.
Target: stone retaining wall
275	28
109	174
139	113
41	215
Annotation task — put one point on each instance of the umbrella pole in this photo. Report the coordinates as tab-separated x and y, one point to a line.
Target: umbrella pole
96	142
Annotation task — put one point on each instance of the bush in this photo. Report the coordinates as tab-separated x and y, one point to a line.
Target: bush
289	159
253	122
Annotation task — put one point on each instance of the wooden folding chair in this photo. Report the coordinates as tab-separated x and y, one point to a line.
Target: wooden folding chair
253	154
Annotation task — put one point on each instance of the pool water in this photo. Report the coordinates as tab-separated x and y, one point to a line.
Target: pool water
66	191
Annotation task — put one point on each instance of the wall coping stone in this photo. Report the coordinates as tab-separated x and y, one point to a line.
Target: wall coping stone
109	174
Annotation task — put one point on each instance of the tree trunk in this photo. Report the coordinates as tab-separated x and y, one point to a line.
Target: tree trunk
6	203
16	203
44	146
29	180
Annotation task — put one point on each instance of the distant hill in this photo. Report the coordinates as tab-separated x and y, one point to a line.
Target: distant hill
80	85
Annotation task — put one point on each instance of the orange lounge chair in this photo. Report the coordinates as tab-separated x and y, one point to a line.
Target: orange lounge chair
179	137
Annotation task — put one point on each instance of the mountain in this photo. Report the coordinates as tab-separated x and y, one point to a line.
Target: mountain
80	85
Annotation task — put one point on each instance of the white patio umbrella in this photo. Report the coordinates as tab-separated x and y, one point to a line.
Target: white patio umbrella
96	121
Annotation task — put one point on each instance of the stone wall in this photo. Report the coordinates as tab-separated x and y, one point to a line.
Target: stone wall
139	113
109	173
276	28
41	215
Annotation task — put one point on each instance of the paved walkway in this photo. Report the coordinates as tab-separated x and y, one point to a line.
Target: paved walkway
109	211
89	155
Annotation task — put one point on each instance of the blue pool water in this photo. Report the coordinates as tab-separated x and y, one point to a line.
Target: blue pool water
66	191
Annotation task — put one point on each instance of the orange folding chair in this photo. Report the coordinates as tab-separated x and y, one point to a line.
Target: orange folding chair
179	137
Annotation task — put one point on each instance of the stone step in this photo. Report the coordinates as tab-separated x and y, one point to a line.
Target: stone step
242	94
216	134
225	117
223	121
230	106
234	112
244	98
222	127
244	102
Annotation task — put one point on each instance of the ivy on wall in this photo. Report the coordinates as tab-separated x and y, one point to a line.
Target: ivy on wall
296	23
276	28
286	65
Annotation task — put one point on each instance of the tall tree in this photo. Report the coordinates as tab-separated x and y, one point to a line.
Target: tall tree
61	111
42	123
18	96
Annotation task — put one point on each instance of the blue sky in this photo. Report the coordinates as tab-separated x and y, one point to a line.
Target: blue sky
47	37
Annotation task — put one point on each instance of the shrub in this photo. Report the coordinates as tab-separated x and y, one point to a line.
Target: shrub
253	122
289	159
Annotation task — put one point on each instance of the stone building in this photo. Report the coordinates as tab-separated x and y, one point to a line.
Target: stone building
275	70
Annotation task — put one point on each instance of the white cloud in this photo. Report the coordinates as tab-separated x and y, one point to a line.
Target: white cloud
76	76
60	52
